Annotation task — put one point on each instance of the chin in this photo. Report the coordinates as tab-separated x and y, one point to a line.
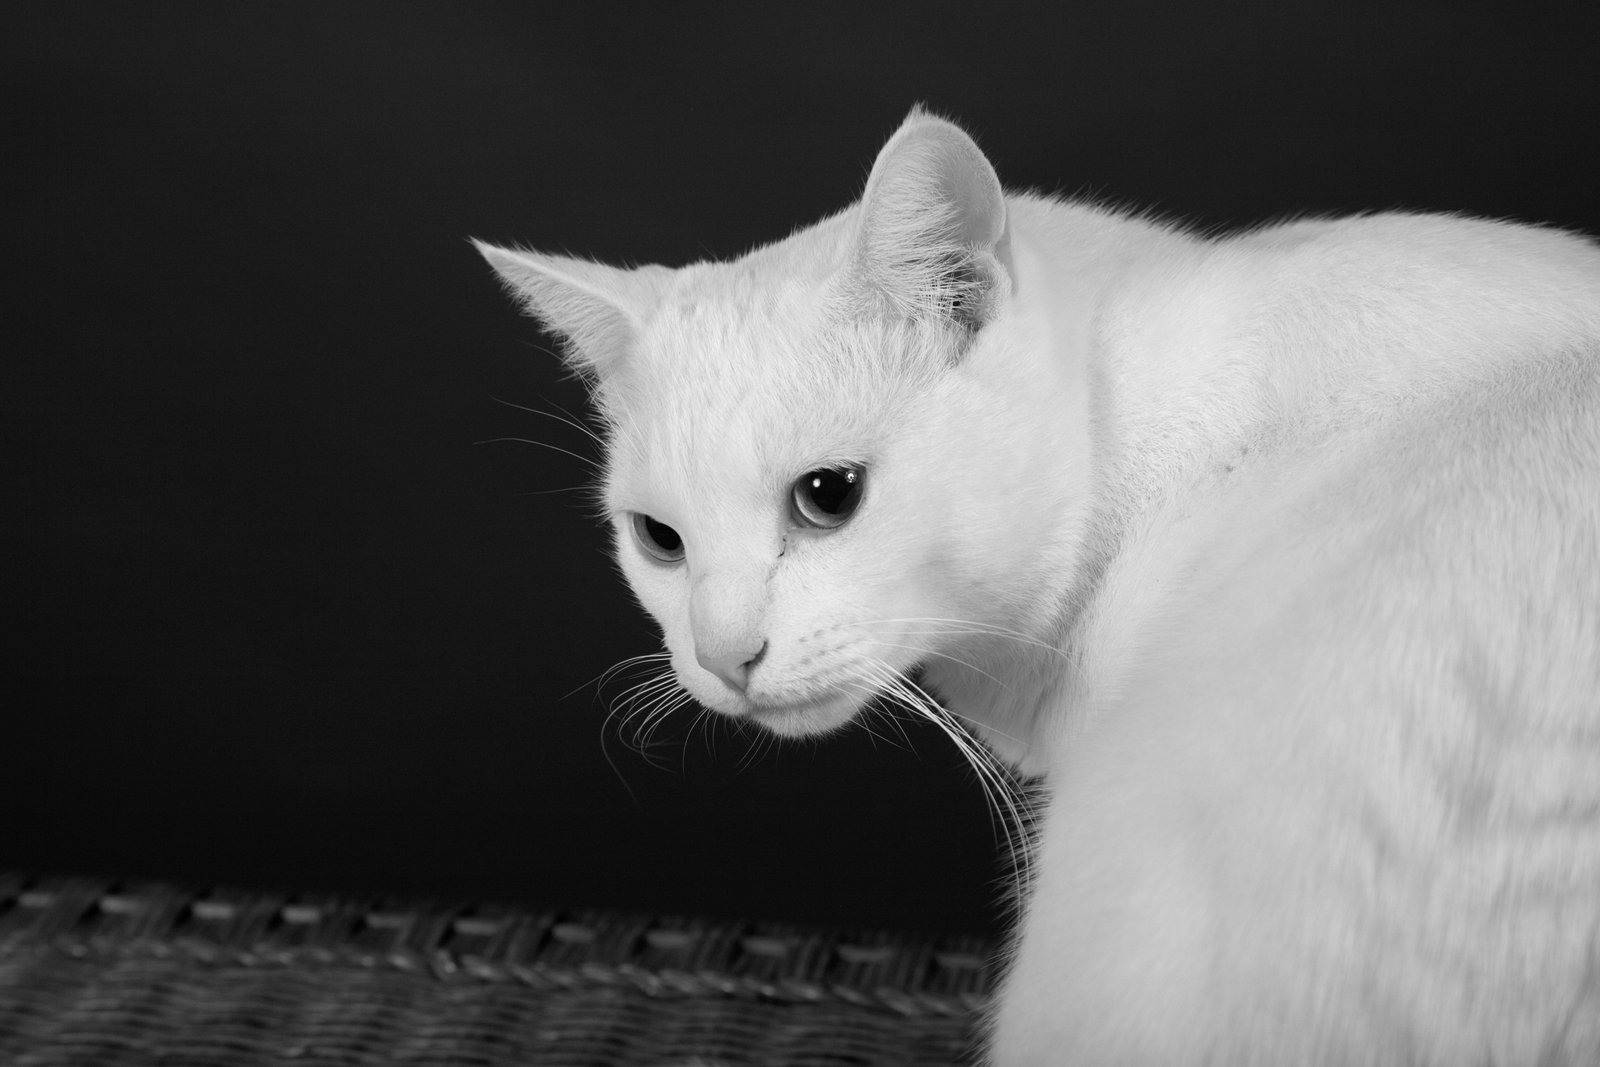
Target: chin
810	718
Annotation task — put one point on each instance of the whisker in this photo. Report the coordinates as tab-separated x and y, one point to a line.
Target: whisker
875	708
612	722
705	722
764	741
566	418
635	713
648	697
606	752
942	655
658	714
969	627
585	460
554	492
1003	793
654	686
599	681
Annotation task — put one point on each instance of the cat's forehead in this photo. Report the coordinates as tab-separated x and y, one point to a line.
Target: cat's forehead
711	367
738	388
757	337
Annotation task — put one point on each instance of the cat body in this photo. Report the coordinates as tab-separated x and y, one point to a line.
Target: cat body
1276	555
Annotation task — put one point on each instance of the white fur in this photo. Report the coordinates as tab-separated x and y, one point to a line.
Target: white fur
1278	555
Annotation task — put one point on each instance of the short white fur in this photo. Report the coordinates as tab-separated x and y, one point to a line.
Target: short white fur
1276	555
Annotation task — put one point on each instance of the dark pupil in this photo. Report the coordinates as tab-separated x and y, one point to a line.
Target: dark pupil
663	535
832	491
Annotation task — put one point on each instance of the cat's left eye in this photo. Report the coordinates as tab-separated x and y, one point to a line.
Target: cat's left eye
659	540
825	498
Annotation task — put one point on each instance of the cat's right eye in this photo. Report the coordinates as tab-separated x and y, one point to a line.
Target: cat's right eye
659	540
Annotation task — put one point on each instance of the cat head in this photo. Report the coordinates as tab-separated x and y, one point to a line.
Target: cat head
812	464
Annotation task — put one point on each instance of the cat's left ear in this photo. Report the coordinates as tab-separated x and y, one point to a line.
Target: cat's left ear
599	310
933	240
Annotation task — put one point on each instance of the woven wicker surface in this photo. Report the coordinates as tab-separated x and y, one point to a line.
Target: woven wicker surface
94	972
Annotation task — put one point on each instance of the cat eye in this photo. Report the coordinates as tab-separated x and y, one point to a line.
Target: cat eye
826	497
657	539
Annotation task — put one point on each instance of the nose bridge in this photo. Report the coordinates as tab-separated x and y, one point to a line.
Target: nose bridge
727	615
726	608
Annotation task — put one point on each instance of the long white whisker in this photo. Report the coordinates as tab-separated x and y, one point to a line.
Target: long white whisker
642	692
1000	789
986	726
882	711
643	704
554	492
645	732
943	655
654	698
763	742
871	710
600	680
565	417
637	711
650	685
585	460
969	627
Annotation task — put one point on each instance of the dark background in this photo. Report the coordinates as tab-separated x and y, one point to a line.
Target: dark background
274	617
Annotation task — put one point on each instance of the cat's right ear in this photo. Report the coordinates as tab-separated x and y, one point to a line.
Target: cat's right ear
598	309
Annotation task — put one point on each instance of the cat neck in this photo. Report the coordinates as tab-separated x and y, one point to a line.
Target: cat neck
1070	262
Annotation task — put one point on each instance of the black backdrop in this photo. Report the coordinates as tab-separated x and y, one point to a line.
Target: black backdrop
274	617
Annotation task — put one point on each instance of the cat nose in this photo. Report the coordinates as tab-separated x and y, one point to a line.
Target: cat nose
731	665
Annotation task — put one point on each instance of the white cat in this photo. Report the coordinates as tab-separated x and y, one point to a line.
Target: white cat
1277	555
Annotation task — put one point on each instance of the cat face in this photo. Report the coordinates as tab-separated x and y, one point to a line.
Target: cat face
773	507
813	474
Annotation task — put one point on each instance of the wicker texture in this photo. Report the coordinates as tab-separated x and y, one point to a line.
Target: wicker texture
93	972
